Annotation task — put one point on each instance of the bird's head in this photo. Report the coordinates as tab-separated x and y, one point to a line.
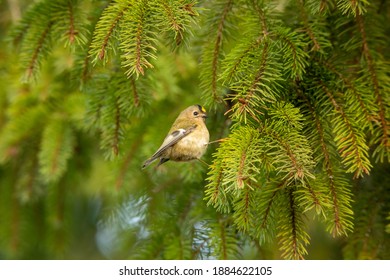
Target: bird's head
196	112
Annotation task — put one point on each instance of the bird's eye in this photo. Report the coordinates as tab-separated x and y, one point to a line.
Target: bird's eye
196	113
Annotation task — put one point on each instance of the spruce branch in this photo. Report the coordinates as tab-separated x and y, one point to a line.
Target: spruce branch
68	21
72	30
308	28
293	53
41	50
292	235
43	24
244	149
353	7
28	184
265	219
22	127
215	193
57	147
318	7
349	139
217	48
105	29
338	206
384	144
223	239
364	101
243	214
289	151
18	33
253	71
219	26
176	17
138	39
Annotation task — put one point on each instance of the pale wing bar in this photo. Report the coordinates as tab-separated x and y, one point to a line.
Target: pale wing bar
169	141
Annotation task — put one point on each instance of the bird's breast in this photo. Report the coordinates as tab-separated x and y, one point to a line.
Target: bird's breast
193	146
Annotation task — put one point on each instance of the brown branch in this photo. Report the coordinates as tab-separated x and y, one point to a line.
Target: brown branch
72	31
138	49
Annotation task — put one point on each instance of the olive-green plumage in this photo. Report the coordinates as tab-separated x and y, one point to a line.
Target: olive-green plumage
186	140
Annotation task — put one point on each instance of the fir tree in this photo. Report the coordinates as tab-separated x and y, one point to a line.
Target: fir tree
298	97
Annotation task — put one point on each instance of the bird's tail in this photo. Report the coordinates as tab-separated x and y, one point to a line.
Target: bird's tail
148	162
153	158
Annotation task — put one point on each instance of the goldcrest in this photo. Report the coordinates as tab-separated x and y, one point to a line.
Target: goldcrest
186	140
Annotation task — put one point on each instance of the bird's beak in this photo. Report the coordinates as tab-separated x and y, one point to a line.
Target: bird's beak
204	115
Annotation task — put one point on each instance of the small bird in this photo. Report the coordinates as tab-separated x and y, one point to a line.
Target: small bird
186	140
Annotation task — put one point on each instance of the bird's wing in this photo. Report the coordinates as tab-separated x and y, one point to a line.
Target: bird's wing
169	141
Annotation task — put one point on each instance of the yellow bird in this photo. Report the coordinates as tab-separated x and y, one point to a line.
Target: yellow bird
186	140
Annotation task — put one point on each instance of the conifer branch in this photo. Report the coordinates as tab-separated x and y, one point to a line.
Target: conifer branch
349	85
290	154
308	29
371	67
33	64
259	75
267	209
224	254
214	192
72	30
231	71
296	170
217	48
243	217
174	22
219	25
352	146
293	217
292	236
85	69
327	159
106	27
135	93
341	211
354	7
138	39
266	219
293	54
262	17
57	147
